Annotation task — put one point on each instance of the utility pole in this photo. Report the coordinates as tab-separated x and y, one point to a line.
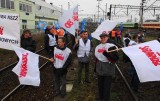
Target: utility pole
61	9
98	7
141	12
106	12
69	5
110	12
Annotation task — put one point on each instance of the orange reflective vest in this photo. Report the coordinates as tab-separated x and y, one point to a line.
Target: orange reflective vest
119	33
113	34
60	32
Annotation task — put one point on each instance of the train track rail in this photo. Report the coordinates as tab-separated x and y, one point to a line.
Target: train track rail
9	79
18	87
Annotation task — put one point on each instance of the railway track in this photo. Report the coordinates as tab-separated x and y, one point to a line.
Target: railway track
13	91
9	83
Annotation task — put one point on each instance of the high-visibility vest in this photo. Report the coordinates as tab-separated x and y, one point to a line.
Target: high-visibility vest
113	34
118	33
83	48
60	57
60	32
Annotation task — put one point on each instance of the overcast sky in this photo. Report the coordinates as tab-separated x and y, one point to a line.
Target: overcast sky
90	6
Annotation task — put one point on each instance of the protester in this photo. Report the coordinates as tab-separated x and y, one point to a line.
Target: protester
113	35
84	49
61	61
47	29
77	33
158	39
141	37
50	41
60	32
126	40
118	35
53	31
27	42
105	66
135	80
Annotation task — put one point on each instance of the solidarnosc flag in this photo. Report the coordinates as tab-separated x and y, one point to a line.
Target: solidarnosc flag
105	26
27	67
9	30
146	60
69	20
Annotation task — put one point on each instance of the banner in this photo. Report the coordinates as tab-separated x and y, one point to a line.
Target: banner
105	26
27	67
67	20
75	17
9	30
83	25
146	60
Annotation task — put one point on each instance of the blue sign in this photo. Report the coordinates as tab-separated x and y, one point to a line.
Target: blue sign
42	25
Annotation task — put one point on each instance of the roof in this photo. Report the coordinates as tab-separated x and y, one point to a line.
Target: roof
47	5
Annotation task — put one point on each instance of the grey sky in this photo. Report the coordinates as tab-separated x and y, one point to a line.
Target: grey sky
90	6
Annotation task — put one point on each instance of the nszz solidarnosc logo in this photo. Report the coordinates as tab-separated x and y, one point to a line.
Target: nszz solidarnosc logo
1	30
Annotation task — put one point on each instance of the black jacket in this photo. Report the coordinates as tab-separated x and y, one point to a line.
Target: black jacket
28	44
46	41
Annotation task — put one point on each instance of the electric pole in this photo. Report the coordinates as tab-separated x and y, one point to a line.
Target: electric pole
69	5
106	12
61	9
141	13
110	12
98	7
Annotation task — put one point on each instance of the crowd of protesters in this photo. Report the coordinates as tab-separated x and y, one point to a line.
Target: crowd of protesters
60	56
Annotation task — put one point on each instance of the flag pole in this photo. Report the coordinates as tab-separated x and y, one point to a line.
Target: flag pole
115	50
44	57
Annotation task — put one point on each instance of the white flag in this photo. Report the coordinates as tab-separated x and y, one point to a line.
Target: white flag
146	60
9	30
105	26
75	17
27	67
67	21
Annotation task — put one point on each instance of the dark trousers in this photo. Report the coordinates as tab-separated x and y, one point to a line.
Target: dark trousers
104	85
119	40
81	66
60	83
135	81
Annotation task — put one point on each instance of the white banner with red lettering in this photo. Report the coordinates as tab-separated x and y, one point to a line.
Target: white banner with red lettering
9	30
68	20
146	60
27	67
106	26
75	17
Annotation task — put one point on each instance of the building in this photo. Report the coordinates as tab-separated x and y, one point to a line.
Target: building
46	12
31	11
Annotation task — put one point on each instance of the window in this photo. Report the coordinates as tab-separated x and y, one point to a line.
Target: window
20	6
30	8
24	24
7	4
12	5
25	7
3	3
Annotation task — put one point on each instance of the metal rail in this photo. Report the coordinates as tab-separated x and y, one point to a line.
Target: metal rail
17	62
18	86
126	83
